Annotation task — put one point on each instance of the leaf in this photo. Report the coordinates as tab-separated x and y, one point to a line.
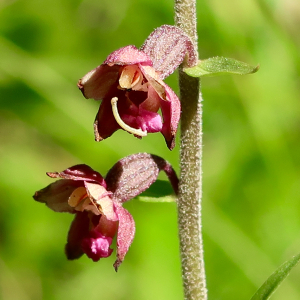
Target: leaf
219	65
159	191
270	285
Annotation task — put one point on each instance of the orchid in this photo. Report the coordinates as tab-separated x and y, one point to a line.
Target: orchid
97	203
131	87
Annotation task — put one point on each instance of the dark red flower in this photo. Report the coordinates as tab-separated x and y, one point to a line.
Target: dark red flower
130	85
97	203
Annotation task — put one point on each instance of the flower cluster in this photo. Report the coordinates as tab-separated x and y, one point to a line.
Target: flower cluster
134	98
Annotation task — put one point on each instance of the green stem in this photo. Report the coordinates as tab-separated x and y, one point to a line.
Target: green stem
190	187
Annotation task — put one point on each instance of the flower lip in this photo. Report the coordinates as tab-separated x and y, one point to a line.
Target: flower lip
97	246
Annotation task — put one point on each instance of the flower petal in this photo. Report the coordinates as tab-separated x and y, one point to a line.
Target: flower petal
97	83
171	110
128	55
79	172
56	195
78	231
126	233
154	79
100	195
105	124
81	202
170	105
167	46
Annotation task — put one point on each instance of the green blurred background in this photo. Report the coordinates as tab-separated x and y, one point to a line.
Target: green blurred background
251	205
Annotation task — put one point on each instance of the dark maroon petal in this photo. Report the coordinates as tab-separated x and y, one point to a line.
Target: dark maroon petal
79	172
78	231
56	195
105	124
131	176
97	83
126	233
128	55
171	110
167	46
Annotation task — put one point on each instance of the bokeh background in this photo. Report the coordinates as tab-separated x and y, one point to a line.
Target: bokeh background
251	203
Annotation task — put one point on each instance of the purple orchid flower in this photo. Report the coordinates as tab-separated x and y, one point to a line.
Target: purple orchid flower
97	203
130	85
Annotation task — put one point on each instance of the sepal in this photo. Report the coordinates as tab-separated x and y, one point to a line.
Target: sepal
133	174
168	46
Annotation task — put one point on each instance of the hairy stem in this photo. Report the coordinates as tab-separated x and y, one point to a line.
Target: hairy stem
190	186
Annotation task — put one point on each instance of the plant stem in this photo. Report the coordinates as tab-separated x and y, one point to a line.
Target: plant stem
190	187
